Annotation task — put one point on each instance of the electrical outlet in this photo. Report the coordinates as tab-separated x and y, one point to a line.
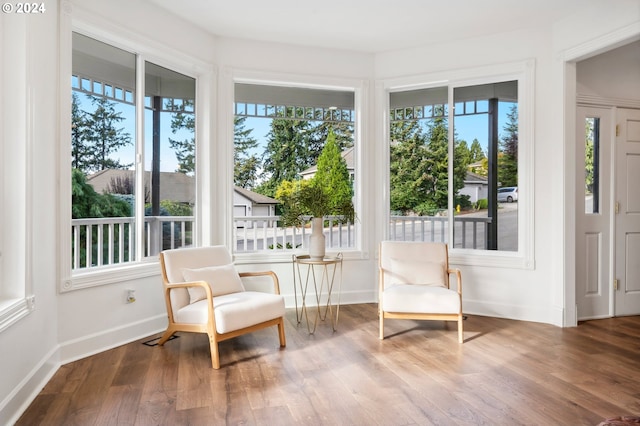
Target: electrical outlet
131	296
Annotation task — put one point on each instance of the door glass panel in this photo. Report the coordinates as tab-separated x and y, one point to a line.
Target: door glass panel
592	165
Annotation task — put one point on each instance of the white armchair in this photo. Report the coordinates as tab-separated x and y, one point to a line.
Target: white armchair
204	294
414	284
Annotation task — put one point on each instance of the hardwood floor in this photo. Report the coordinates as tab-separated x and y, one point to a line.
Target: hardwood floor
506	373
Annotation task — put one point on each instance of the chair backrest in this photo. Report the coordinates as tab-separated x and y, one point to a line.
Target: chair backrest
190	258
409	262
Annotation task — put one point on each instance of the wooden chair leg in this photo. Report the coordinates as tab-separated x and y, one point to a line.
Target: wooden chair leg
460	329
381	315
215	355
283	341
167	334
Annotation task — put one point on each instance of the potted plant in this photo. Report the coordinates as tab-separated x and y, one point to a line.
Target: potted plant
329	192
307	198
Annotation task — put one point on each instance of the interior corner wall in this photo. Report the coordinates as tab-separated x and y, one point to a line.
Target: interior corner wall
28	353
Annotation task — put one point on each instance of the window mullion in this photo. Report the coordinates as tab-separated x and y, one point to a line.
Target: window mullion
450	166
139	218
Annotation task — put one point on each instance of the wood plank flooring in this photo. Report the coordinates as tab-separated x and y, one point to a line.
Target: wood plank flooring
506	373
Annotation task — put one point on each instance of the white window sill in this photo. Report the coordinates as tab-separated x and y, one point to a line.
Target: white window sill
11	310
110	275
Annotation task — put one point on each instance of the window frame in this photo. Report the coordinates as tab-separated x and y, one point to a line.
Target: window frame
523	73
227	97
145	50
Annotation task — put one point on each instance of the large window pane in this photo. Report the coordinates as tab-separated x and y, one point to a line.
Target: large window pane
102	153
486	166
479	185
419	165
280	134
169	159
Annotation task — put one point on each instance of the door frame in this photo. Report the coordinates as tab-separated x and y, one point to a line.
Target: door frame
569	98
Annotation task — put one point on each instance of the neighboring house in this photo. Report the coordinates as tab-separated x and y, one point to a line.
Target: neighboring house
347	154
249	203
180	187
475	186
174	186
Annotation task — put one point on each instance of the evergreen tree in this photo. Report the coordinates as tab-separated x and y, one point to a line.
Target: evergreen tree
185	149
287	153
437	164
87	203
79	149
333	175
343	133
246	164
103	137
408	177
476	152
460	167
508	161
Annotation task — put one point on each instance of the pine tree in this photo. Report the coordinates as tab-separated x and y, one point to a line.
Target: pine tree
477	154
246	163
286	154
185	149
332	175
79	149
408	166
103	137
508	160
438	163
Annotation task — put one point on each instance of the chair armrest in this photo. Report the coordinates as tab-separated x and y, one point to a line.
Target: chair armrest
274	277
207	289
458	278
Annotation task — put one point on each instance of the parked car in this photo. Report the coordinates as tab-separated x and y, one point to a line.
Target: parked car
508	194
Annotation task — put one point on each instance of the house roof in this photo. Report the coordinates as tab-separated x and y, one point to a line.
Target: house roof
173	185
254	197
347	154
474	178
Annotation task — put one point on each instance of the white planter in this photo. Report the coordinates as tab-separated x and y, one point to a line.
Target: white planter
316	239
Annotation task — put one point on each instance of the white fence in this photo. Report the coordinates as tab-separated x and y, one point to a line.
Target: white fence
109	241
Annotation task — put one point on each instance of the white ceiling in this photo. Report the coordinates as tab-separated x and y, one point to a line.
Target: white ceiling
367	25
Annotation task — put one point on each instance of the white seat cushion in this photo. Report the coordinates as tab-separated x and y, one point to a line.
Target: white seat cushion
234	311
412	298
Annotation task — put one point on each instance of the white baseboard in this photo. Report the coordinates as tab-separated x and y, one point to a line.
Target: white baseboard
23	395
92	344
546	315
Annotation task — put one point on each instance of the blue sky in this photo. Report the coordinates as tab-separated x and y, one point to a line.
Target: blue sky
467	128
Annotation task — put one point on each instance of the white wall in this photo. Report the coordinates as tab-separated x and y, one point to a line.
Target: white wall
66	326
613	75
511	292
28	348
